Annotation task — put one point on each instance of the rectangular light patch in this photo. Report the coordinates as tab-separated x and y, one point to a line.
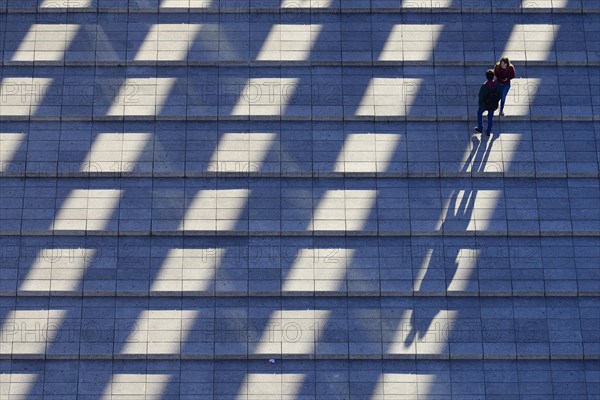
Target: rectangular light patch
46	42
306	3
532	42
411	42
122	386
10	143
242	152
141	97
68	4
30	331
20	386
270	386
160	332
116	152
296	331
318	270
215	210
168	42
87	210
343	210
22	96
57	270
389	97
265	96
289	42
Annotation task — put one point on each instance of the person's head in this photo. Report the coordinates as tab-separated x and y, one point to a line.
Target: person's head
489	74
504	62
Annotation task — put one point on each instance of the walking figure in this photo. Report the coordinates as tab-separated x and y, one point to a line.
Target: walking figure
489	96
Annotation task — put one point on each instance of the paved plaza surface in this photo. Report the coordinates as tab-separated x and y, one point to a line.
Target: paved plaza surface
261	200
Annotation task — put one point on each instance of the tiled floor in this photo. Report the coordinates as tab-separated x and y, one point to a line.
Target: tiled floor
286	200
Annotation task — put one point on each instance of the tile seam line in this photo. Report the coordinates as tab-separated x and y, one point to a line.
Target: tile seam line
459	234
353	176
294	356
284	63
278	296
304	10
590	118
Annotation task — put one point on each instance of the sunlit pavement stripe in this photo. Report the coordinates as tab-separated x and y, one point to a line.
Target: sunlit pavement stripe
243	153
265	96
289	42
367	154
550	4
532	42
10	143
19	386
136	386
46	42
426	4
22	97
88	210
291	332
317	270
257	386
344	210
426	334
411	42
57	270
52	5
315	4
168	42
412	385
159	332
142	97
118	152
519	103
472	210
391	97
188	270
29	333
219	210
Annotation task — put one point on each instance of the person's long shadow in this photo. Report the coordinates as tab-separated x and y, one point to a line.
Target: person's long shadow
456	221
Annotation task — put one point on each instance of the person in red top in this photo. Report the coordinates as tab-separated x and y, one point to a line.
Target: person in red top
504	72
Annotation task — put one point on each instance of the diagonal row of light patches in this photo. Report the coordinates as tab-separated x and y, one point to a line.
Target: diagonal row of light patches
184	5
167	42
285	42
145	97
128	386
527	4
166	5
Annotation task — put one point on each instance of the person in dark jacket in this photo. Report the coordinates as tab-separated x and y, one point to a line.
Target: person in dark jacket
489	94
504	72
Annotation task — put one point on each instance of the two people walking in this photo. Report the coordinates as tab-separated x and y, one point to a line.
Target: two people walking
494	91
